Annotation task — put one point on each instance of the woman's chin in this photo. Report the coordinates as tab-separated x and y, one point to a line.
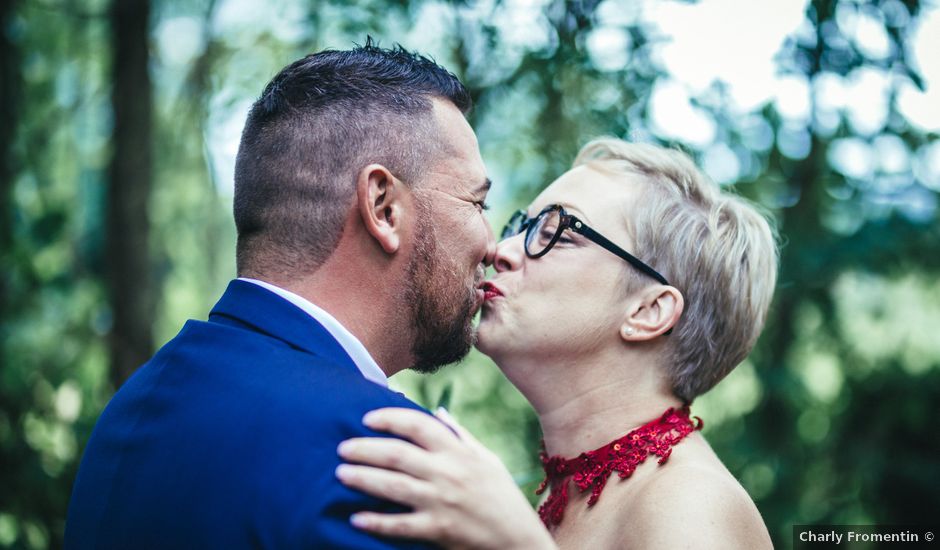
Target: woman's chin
488	336
498	332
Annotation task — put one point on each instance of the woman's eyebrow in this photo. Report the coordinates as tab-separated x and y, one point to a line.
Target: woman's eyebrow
572	209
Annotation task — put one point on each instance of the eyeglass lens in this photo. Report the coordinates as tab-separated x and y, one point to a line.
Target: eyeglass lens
542	233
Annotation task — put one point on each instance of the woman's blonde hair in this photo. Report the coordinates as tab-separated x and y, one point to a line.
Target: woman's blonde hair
715	247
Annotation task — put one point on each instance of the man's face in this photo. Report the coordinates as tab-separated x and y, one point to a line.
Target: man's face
453	244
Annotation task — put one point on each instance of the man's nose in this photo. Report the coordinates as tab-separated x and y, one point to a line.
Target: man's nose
490	255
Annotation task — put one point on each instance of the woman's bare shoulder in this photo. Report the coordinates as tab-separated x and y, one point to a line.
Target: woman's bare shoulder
694	502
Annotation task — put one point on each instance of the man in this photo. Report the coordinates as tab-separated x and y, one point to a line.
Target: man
359	191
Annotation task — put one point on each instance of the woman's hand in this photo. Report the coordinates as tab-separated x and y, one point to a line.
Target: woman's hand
462	495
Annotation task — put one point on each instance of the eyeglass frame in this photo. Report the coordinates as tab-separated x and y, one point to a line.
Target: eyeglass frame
572	222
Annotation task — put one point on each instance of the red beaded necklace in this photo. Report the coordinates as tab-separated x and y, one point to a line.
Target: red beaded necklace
623	455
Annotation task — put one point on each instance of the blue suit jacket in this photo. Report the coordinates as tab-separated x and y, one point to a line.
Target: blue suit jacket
227	439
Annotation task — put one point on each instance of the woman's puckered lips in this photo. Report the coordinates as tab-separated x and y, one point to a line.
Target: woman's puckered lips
491	291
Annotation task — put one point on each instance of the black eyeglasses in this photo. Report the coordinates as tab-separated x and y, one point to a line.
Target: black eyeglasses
544	230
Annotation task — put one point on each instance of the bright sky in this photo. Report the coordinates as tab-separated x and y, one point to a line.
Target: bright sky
704	47
735	43
712	40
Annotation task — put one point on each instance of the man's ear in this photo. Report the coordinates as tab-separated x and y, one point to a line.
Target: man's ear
651	313
380	196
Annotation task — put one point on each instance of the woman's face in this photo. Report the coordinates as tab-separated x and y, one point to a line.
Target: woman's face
570	302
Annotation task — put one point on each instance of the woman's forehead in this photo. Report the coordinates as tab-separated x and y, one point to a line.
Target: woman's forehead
590	194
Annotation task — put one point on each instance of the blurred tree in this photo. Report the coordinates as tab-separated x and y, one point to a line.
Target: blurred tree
10	93
130	275
53	361
115	224
10	89
816	256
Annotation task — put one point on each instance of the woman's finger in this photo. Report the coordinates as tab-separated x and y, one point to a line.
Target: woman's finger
384	484
410	525
389	453
424	430
464	434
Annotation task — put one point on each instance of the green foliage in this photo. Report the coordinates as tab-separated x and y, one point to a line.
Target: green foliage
827	421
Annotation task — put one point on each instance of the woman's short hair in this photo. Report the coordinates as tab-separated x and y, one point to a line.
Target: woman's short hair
717	248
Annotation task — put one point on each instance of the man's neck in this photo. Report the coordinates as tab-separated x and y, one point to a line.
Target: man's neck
365	312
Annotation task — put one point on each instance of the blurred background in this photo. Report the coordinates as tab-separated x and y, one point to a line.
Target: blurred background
120	123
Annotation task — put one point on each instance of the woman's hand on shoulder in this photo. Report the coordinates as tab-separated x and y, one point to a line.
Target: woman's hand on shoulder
461	494
691	507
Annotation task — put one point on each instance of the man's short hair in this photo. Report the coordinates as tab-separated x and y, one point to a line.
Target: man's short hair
716	247
316	125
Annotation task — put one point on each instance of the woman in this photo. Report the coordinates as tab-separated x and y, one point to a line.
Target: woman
611	351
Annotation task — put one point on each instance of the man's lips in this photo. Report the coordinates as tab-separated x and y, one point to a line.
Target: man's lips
491	291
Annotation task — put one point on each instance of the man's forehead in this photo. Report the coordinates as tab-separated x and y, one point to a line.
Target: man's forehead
452	175
451	120
460	153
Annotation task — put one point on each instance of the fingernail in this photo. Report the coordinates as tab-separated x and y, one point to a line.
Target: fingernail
344	447
370	418
441	411
342	472
358	520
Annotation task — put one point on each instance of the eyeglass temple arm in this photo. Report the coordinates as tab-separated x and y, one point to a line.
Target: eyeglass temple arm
580	227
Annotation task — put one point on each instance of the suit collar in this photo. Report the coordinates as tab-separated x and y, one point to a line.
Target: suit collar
266	312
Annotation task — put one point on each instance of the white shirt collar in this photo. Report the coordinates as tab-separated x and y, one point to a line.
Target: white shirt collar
353	347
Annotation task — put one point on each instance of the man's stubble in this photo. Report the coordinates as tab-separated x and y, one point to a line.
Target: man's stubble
442	305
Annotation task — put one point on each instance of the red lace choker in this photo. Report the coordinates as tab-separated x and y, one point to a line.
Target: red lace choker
623	455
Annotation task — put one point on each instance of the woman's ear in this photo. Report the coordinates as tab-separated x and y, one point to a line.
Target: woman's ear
380	196
654	312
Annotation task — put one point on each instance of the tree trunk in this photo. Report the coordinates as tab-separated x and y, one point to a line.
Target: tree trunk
130	283
9	99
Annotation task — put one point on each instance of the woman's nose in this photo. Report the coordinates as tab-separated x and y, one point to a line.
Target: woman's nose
509	253
490	256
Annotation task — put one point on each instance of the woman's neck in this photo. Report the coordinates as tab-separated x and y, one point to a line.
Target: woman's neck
590	405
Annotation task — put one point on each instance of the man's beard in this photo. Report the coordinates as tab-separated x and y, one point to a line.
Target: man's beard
441	313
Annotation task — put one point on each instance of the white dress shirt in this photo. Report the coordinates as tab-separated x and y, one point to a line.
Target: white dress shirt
353	347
